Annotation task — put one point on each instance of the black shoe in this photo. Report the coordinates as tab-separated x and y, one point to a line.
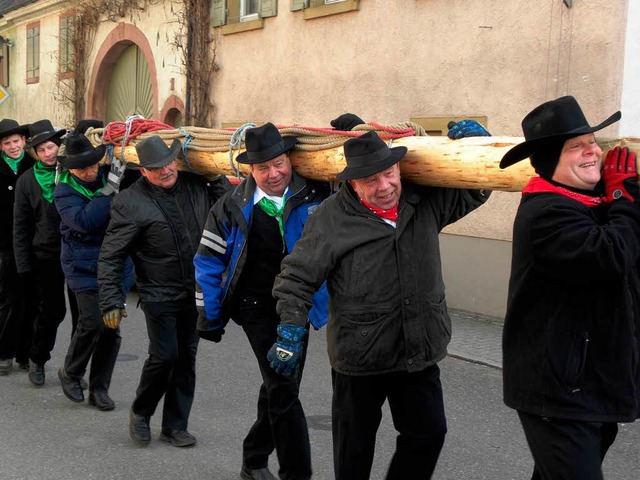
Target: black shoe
23	366
36	374
70	386
247	473
6	365
139	428
101	400
178	438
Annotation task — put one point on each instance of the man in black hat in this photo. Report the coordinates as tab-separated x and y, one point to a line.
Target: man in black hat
247	235
83	198
376	245
36	243
158	221
15	322
571	340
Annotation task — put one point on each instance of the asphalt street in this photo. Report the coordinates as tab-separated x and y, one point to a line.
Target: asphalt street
44	436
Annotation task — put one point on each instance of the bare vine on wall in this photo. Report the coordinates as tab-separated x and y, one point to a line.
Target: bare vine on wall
194	40
196	43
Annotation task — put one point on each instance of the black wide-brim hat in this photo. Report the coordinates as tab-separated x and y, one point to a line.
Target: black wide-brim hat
552	122
9	126
154	153
264	143
80	153
367	155
85	124
41	131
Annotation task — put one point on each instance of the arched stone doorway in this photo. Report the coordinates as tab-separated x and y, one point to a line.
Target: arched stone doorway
130	90
113	90
173	112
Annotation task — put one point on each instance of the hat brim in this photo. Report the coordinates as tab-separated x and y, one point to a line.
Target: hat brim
526	149
83	160
171	155
353	173
43	137
260	157
20	130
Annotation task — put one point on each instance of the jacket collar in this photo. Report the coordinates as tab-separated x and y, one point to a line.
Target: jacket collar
243	193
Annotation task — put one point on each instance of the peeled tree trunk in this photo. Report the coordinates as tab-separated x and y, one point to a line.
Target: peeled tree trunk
436	161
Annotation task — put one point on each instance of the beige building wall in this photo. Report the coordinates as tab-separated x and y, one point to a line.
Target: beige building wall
31	102
387	61
390	61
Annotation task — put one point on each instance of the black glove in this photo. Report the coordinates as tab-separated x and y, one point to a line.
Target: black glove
466	128
211	335
346	122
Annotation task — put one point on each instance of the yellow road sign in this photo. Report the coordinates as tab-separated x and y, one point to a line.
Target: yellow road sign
4	94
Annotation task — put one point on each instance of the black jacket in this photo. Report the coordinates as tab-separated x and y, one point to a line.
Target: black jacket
8	181
572	329
387	309
160	229
36	227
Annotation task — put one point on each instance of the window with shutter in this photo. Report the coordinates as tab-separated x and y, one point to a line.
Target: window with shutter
218	12
241	15
33	52
65	56
322	8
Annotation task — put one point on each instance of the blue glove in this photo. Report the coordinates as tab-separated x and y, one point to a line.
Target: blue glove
284	355
466	128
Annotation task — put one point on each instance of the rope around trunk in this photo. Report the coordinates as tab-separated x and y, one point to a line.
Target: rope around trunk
136	128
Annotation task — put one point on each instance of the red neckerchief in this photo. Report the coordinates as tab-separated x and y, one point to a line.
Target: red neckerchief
539	185
391	214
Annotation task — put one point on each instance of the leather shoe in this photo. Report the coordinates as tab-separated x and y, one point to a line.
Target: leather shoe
36	373
139	428
177	438
6	365
70	386
247	473
101	400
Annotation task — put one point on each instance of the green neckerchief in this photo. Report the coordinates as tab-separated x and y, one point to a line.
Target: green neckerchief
46	178
269	207
66	177
14	163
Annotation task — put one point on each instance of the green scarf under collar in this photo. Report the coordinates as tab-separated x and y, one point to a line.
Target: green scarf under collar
66	177
46	178
14	163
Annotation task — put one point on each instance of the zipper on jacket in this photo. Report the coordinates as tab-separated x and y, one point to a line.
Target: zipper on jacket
584	345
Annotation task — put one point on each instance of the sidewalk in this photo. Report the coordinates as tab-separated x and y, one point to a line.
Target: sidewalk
476	338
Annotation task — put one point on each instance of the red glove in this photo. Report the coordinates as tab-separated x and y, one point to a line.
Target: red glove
619	175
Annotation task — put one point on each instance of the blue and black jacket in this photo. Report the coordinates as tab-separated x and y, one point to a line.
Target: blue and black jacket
222	253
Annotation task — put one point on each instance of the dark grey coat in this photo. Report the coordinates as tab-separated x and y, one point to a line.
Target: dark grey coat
387	309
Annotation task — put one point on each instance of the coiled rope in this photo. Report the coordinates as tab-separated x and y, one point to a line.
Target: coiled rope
136	128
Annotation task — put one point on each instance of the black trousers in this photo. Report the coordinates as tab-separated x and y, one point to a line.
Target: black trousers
567	449
16	320
93	341
73	308
280	422
48	295
170	369
417	409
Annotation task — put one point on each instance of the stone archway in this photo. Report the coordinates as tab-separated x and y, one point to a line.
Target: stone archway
173	112
119	39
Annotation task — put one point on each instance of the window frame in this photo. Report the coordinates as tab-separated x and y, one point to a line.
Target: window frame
65	44
33	52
